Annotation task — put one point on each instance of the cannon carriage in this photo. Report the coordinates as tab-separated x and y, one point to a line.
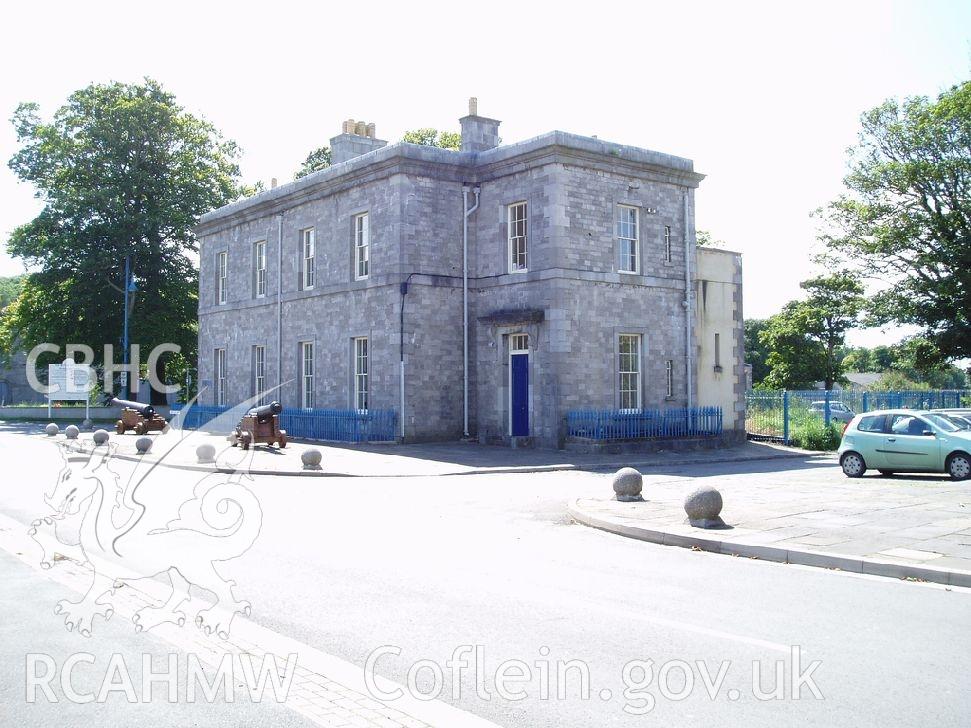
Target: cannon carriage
142	418
261	425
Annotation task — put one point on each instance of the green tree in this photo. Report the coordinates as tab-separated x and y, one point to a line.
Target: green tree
756	352
434	138
906	218
122	170
9	290
807	337
706	239
317	160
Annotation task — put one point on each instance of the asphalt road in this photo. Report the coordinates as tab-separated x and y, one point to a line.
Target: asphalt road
428	566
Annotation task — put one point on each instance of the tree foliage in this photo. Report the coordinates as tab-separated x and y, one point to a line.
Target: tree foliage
906	218
122	170
807	337
317	160
9	290
434	138
756	351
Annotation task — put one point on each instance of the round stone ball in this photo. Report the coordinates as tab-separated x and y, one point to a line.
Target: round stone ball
86	424
143	444
100	437
627	484
206	453
703	507
52	429
311	459
72	432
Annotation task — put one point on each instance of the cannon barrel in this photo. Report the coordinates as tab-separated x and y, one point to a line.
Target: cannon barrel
273	408
145	410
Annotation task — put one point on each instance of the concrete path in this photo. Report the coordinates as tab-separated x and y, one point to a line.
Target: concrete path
916	527
419	460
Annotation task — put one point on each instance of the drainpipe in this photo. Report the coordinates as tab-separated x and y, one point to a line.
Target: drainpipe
688	346
465	296
401	351
279	304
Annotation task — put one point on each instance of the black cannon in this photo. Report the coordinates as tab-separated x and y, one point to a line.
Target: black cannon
261	424
264	413
136	416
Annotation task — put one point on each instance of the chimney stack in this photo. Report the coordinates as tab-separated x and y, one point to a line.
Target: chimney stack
479	134
356	138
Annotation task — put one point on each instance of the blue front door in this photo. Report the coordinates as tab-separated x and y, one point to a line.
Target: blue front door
520	394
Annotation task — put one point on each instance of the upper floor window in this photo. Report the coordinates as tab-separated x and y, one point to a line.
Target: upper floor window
667	243
308	257
627	238
362	247
259	262
222	277
518	237
629	370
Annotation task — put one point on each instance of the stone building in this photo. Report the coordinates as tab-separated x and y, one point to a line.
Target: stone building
564	256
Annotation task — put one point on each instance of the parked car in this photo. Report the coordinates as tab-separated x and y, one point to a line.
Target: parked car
905	441
838	412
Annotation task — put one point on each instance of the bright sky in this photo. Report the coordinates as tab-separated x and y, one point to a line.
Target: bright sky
765	97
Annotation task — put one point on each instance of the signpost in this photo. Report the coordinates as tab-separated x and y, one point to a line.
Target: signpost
69	382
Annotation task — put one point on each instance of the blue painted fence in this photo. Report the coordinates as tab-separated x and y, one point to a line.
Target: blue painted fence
645	424
315	424
774	414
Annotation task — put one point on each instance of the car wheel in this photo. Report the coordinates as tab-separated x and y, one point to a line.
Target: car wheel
959	466
886	473
853	465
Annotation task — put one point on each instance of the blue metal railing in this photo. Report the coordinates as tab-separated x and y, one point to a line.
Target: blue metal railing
312	424
645	424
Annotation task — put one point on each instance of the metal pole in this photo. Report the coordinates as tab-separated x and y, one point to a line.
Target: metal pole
785	417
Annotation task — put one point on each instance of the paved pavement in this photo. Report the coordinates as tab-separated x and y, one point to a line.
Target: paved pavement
344	566
417	460
916	526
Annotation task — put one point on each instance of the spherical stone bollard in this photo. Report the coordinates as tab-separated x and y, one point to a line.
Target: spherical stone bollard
311	459
206	453
71	432
86	425
52	429
143	445
703	506
100	437
627	484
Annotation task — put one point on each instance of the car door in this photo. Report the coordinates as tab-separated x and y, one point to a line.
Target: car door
907	448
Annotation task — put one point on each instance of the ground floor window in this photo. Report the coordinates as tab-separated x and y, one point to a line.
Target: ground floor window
259	373
629	371
307	374
669	377
220	372
361	373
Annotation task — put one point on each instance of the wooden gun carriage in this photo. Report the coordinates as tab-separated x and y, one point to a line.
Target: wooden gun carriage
136	416
261	425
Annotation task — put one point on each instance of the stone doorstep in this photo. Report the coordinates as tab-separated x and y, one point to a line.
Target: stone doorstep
716	543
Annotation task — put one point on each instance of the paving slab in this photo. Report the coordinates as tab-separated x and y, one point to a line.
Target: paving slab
897	527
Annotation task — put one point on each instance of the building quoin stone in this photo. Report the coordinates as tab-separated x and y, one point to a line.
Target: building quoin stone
483	293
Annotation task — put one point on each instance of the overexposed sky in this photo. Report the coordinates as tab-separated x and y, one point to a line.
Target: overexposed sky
764	97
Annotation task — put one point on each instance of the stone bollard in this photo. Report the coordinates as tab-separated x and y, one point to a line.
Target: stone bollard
143	445
52	429
311	459
206	453
100	437
86	425
627	484
71	432
703	506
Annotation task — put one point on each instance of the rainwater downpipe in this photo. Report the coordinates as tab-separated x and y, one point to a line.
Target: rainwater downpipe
279	305
688	346
465	298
